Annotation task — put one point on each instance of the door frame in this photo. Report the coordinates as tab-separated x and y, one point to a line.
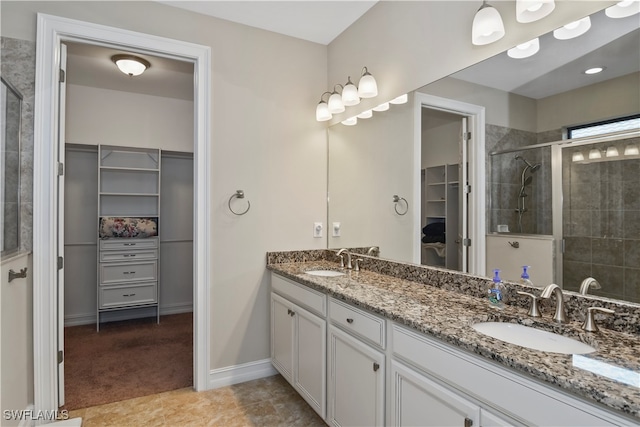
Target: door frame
51	32
477	175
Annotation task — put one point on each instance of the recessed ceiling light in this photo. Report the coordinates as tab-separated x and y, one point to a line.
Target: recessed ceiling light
594	70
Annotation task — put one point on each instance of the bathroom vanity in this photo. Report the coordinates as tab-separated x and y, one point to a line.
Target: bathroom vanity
367	348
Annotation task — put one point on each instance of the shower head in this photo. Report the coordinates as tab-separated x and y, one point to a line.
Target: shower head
535	167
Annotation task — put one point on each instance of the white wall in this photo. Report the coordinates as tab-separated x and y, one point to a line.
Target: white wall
265	141
16	346
102	116
441	132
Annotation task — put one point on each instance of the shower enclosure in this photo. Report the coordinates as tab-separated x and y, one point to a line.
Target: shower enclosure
586	194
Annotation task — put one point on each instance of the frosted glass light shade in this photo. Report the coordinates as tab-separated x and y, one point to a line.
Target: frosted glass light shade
350	94
532	10
577	157
594	153
612	152
322	112
351	121
631	150
402	99
130	64
623	9
365	114
487	26
525	50
573	29
367	87
335	103
381	107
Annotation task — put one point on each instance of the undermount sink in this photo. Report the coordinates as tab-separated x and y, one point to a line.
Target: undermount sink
325	273
536	339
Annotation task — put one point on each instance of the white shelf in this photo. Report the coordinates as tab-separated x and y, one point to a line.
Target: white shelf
131	194
115	168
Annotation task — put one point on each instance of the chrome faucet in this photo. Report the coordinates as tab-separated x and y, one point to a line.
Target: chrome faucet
587	283
561	315
373	251
341	253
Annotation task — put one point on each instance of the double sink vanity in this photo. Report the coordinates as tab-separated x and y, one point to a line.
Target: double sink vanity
402	344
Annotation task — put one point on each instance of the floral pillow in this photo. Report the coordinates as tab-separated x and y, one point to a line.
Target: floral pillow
128	227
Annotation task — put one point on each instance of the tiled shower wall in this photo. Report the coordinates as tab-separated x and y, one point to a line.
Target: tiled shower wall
504	174
601	214
18	66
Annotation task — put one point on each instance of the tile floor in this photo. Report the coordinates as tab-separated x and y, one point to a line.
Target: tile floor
265	402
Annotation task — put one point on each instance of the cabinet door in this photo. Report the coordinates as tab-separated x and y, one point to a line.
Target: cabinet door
356	382
417	400
490	419
282	336
310	373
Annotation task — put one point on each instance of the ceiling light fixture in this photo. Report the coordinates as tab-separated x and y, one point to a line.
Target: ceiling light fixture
525	50
382	107
322	110
350	94
533	10
351	121
577	157
402	99
130	64
367	86
487	25
623	9
612	152
594	70
594	153
573	29
365	114
631	150
335	101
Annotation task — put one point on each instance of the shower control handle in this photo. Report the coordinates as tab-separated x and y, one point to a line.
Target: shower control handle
514	245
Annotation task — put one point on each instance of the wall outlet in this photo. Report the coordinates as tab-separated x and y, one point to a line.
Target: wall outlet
336	229
317	229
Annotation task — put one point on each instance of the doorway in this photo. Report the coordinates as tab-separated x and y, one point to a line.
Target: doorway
52	31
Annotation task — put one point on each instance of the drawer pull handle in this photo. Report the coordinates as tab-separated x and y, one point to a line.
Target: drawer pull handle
468	422
349	320
375	367
129	255
129	244
128	272
291	312
129	295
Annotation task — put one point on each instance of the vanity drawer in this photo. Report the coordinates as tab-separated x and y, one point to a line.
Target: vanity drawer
360	323
128	244
306	297
128	295
114	273
123	256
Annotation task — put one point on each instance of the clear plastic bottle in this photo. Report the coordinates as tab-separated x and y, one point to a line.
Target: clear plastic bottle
524	278
496	291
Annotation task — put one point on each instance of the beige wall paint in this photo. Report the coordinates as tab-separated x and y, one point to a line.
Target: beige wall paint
408	44
265	141
102	116
16	345
441	132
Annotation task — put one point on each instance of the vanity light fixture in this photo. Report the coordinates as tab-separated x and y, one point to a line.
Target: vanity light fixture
322	110
623	9
577	157
382	107
335	101
487	25
631	150
525	50
130	64
402	99
612	151
351	121
350	94
573	29
594	70
367	87
365	114
533	10
594	153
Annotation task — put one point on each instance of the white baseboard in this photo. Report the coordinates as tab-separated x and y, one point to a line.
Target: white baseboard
90	318
236	374
27	421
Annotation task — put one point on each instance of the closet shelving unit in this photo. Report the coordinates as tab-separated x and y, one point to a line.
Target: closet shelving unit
128	187
440	196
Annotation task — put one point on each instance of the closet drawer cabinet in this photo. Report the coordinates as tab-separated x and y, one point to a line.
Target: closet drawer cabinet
360	323
117	273
127	244
115	256
129	295
306	297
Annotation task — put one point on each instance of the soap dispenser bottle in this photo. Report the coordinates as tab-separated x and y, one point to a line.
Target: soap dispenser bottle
524	278
496	291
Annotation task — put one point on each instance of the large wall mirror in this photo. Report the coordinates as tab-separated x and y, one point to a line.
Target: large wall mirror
532	187
11	105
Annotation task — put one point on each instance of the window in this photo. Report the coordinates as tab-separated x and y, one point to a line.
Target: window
601	128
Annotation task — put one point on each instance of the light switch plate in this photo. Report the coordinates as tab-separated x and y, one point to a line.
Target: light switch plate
317	229
336	229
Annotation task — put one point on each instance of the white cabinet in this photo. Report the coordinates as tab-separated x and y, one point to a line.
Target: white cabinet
356	366
298	343
417	400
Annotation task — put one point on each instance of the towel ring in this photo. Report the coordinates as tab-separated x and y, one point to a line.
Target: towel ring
396	200
239	194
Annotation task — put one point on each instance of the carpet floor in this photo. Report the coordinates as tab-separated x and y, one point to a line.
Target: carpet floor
127	359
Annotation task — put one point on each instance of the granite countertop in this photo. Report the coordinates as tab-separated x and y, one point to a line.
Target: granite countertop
448	316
